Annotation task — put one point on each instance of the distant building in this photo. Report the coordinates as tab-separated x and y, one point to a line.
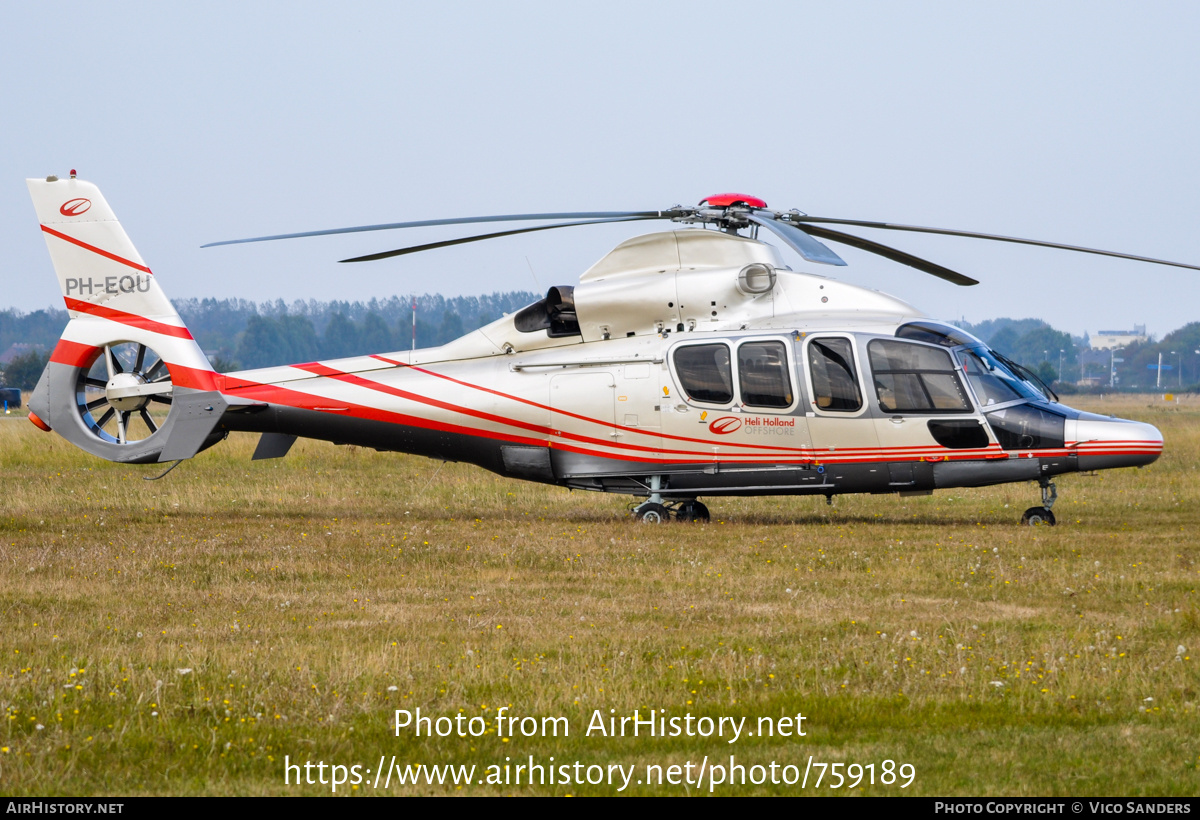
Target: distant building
18	349
1108	339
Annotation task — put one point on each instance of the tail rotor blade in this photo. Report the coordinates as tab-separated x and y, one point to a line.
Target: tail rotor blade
149	421
111	364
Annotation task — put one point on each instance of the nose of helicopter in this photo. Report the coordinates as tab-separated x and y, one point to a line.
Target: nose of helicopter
1106	442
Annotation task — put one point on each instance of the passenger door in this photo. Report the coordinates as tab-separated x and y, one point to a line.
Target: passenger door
842	431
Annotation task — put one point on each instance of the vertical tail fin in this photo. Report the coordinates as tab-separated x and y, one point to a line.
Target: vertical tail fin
125	353
109	290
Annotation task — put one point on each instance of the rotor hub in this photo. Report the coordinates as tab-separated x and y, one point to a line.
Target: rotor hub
126	391
726	200
121	391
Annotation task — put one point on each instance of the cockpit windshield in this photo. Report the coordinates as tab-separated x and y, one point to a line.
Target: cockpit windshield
991	380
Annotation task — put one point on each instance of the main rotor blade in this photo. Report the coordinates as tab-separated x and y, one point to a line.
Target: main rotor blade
798	240
888	226
465	239
892	254
464	220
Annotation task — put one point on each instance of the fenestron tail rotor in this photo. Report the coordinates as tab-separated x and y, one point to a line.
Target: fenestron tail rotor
122	391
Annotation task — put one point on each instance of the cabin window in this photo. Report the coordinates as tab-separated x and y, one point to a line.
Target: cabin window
958	434
705	373
912	378
835	381
763	374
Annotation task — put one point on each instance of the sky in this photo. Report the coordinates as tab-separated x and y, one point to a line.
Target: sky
1072	122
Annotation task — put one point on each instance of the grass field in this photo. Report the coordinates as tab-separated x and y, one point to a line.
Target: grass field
186	636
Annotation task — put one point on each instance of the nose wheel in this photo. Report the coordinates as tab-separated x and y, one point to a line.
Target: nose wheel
1042	516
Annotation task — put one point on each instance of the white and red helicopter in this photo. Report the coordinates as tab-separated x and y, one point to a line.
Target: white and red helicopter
683	364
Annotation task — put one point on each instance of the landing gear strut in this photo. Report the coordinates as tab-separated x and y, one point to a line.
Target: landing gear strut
656	510
1042	516
652	510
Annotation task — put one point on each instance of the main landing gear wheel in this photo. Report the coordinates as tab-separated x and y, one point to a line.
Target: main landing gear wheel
1041	516
652	513
1038	517
117	392
692	511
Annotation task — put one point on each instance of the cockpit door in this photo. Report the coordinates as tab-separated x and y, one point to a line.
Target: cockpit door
925	412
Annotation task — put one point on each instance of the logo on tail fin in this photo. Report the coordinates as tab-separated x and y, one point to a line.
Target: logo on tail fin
75	207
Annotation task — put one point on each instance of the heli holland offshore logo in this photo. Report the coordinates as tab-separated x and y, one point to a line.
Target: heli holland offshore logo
754	425
725	425
75	207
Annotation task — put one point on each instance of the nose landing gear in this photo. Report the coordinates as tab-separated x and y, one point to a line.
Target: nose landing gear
1042	516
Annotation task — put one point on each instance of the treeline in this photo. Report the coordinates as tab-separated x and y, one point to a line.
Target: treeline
1040	347
239	334
41	327
1052	354
243	334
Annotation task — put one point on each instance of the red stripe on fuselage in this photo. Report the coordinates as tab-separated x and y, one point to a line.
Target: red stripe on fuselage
304	401
665	436
195	378
552	438
122	260
556	436
549	434
993	450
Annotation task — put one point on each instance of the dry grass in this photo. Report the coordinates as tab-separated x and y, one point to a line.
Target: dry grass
310	597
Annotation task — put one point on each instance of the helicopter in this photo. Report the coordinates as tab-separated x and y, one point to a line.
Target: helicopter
686	363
